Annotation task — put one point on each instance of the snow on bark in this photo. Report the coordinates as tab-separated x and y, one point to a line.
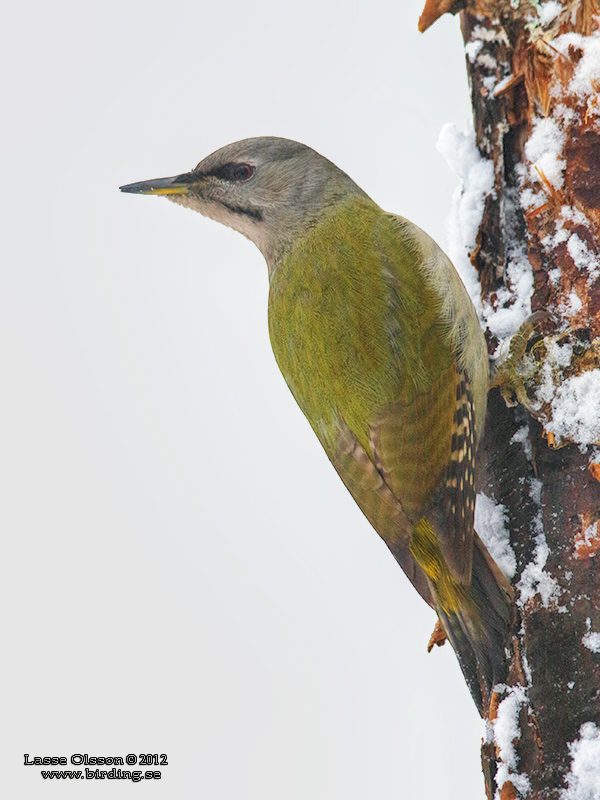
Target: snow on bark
583	780
591	640
490	524
477	182
524	234
506	730
512	305
534	579
576	409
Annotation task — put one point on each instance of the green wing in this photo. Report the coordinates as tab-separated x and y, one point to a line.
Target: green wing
379	504
423	443
359	332
424	450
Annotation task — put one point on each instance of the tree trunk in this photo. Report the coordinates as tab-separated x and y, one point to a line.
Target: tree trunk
534	71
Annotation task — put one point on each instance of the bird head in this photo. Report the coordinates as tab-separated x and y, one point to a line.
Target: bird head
269	189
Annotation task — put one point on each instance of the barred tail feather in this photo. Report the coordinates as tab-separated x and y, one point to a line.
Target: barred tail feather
479	628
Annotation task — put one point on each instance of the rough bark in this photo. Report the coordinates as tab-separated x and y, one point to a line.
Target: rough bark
521	73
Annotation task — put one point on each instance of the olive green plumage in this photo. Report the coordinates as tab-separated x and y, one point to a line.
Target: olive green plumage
351	341
379	343
363	353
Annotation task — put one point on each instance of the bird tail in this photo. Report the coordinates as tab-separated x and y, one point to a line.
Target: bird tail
479	628
477	617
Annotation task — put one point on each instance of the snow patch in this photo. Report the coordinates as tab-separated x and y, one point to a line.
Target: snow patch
544	150
501	86
584	259
512	303
583	780
591	639
490	524
561	233
548	12
472	49
506	731
487	61
489	34
522	437
527	669
571	306
534	580
576	409
587	71
477	182
513	300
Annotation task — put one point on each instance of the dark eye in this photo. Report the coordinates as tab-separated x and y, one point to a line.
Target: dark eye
242	172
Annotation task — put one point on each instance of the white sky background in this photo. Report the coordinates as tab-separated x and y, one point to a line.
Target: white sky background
182	571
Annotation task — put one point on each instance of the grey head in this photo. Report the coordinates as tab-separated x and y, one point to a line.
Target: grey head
269	189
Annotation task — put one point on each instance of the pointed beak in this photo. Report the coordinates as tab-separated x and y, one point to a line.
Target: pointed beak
180	184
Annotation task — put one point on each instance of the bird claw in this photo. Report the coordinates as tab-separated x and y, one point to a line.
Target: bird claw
513	373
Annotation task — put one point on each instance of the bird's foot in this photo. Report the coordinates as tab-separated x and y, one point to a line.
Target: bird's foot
513	373
539	365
